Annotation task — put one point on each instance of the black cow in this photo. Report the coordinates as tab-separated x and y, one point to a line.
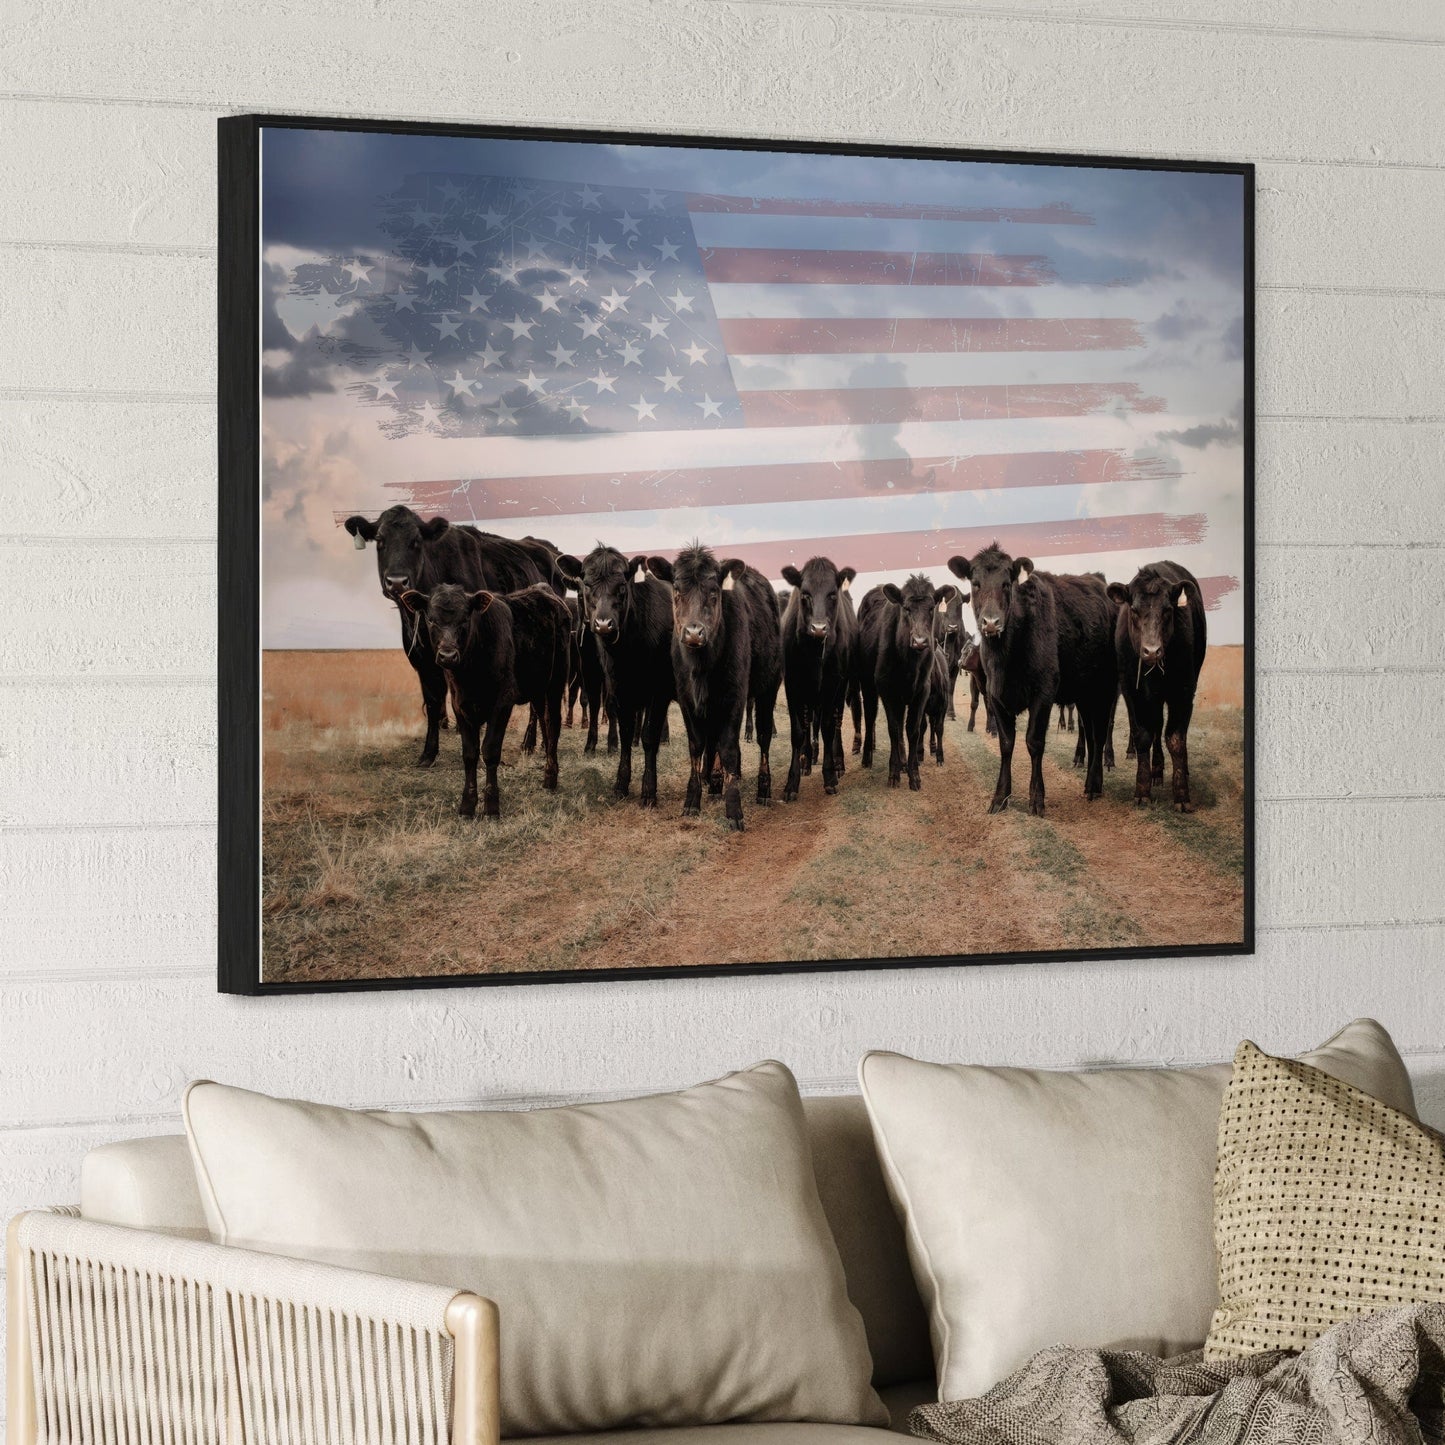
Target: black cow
953	639
819	636
629	613
940	699
726	650
415	555
1044	639
897	627
498	651
1159	641
972	664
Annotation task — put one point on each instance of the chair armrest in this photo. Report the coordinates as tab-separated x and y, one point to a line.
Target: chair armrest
120	1334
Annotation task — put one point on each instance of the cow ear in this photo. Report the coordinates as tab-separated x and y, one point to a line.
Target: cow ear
569	568
845	577
731	570
944	595
362	531
413	600
434	528
1183	599
480	601
1023	569
891	592
1119	593
660	568
637	570
792	576
959	567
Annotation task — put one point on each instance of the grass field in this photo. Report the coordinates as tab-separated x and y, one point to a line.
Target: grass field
370	873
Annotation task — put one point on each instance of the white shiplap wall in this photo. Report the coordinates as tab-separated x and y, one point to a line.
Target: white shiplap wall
107	534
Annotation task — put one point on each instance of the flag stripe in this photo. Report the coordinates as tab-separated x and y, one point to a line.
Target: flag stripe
1060	214
795	336
766	265
832	407
570	494
901	551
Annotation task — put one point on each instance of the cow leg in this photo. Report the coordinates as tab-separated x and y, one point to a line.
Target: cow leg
855	707
593	694
798	732
897	720
653	722
952	680
712	770
1146	740
765	743
842	766
529	738
748	722
1080	749
915	721
1091	727
1036	736
434	701
692	801
1109	730
1156	756
1176	735
627	724
972	702
491	758
731	758
869	698
470	749
1007	727
551	714
611	725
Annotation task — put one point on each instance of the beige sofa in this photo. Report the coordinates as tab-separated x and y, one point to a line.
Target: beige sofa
122	1308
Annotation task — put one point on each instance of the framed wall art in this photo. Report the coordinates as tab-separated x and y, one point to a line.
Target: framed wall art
656	555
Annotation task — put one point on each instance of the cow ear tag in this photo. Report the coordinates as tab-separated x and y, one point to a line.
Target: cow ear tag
729	582
359	541
1183	597
942	606
640	576
1024	575
847	585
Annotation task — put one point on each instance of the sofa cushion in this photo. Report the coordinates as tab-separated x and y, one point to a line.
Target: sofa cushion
659	1261
796	1433
1076	1208
143	1184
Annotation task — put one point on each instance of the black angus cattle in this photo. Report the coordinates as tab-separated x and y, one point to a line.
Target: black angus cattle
896	627
498	651
819	636
1044	639
953	638
413	555
629	614
972	664
940	698
1066	717
726	649
1159	642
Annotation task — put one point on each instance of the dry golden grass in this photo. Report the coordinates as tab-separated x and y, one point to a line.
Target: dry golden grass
368	871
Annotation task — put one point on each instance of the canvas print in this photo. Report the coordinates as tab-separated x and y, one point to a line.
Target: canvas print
687	557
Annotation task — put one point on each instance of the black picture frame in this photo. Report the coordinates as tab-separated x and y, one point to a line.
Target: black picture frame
239	553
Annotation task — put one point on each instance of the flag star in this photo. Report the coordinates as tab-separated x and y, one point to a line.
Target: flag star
656	327
460	384
505	414
533	382
561	220
590	326
709	407
644	408
631	353
695	353
448	327
628	223
384	386
681	301
535	248
603	248
492	219
415	356
358	272
435	274
489	356
641	274
450	191
561	355
404	300
575	406
654	199
508	271
548	300
575	275
670	381
464	246
519	328
477	301
668	250
614	301
429	414
589	197
603	382
422	217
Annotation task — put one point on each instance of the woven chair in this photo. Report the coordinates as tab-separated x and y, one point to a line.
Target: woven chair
122	1337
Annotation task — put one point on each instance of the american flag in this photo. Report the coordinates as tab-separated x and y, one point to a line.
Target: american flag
578	348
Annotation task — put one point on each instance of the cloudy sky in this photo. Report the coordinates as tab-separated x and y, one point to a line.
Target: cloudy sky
644	345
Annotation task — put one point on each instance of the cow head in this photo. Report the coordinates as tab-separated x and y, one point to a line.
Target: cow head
1151	604
918	601
448	611
993	576
950	614
820	587
401	537
698	583
605	580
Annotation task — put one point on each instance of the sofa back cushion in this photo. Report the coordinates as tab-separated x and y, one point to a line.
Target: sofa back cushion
659	1261
1049	1208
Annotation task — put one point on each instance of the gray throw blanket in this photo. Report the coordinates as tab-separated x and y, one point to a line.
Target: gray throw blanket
1378	1379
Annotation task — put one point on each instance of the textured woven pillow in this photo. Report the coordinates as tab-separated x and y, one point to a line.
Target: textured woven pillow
1327	1204
657	1261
